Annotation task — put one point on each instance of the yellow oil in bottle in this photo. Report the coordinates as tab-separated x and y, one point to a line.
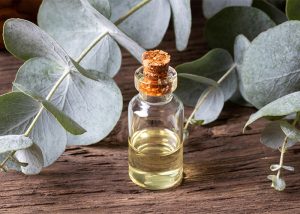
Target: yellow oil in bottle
155	158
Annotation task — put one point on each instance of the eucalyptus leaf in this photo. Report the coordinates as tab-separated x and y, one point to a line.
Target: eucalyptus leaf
12	123
273	137
14	142
275	167
290	131
241	44
199	79
211	107
277	183
283	106
77	96
17	111
270	62
280	4
220	30
77	26
47	133
182	18
289	168
102	6
148	28
34	157
271	10
144	26
69	124
212	7
213	65
197	122
34	95
22	41
292	9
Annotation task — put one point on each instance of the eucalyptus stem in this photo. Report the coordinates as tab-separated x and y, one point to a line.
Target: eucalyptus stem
282	151
283	147
131	11
101	36
91	46
201	101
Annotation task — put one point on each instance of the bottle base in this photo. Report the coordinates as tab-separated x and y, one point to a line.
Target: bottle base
156	180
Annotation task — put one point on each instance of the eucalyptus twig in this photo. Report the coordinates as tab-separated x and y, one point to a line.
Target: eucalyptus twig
32	124
101	36
67	72
283	148
210	89
2	165
282	151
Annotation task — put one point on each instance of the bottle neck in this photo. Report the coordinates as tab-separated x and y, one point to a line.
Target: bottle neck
156	100
155	91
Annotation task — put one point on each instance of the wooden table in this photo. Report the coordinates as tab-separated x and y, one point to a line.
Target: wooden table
225	171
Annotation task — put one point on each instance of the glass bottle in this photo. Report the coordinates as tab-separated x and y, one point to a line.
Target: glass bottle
155	122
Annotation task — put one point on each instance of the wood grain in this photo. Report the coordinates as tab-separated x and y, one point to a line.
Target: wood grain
24	9
225	171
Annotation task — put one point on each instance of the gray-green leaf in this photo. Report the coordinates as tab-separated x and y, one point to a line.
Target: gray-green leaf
240	46
95	105
290	131
144	26
213	65
47	133
273	12
34	157
275	167
220	30
23	41
75	24
102	6
148	28
292	9
241	43
14	142
289	168
212	105
273	137
277	183
212	7
76	96
69	124
283	106
199	79
270	62
182	19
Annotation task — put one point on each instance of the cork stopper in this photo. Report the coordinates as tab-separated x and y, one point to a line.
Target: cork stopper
155	71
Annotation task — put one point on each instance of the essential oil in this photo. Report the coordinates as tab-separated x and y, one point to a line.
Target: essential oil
155	158
155	122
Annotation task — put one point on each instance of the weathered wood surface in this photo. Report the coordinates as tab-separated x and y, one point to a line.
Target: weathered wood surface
225	171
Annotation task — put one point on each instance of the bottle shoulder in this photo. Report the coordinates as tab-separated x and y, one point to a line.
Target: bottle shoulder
174	101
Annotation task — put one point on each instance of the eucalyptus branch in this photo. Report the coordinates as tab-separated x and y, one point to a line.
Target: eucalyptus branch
101	36
34	121
283	148
67	72
210	89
